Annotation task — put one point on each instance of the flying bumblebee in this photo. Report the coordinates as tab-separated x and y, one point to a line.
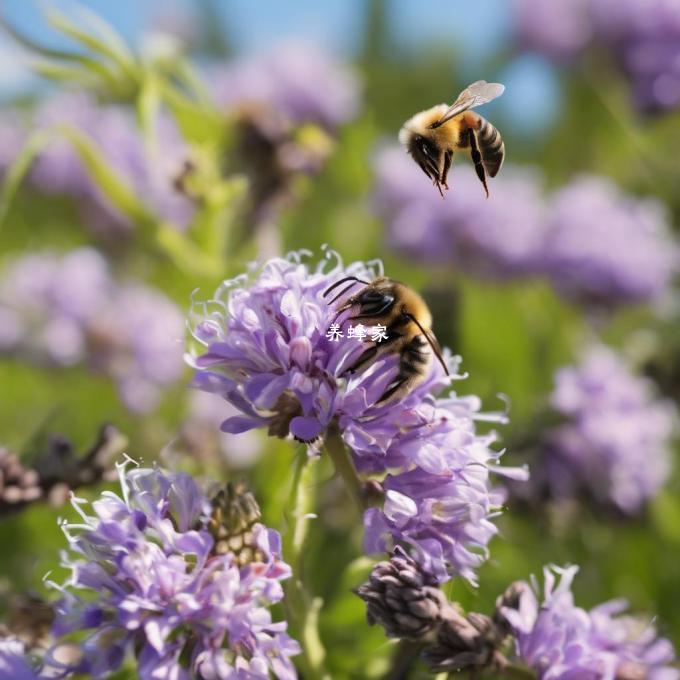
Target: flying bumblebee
408	321
432	136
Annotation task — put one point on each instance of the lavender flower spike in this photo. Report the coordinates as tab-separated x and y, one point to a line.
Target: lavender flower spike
147	580
269	353
561	641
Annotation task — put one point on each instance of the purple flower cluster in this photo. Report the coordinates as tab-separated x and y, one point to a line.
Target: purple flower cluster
151	174
595	244
267	353
298	80
644	36
67	309
615	441
604	247
560	641
500	236
145	580
560	29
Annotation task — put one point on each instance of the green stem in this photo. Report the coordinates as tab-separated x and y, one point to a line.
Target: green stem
302	611
405	656
344	467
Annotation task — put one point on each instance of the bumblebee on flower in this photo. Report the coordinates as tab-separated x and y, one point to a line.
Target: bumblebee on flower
268	353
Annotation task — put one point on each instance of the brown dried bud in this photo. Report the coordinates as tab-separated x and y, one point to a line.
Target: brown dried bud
402	599
18	485
234	514
470	641
59	464
57	470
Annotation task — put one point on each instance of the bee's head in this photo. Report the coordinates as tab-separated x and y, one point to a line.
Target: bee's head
426	153
376	298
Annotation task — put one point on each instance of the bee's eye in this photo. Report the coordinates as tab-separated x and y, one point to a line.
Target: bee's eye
375	302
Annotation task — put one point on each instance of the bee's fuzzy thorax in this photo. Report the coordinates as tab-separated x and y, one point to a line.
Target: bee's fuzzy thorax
414	304
420	125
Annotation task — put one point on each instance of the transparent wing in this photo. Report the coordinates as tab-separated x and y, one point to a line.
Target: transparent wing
473	95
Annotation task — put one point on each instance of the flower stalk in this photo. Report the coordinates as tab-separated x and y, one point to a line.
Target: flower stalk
344	468
302	610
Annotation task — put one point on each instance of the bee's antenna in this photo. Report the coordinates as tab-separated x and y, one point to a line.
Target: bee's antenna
341	293
340	282
432	344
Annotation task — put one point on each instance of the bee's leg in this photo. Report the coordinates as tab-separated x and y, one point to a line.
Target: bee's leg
412	370
477	160
363	359
399	388
448	157
423	166
373	352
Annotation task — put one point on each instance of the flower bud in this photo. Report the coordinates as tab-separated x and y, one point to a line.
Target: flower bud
464	642
402	599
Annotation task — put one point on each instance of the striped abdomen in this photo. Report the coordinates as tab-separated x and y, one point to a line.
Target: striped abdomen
490	146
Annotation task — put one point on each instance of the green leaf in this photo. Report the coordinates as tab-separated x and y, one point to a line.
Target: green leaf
213	223
20	167
108	43
185	254
89	74
189	77
197	123
34	46
148	108
107	179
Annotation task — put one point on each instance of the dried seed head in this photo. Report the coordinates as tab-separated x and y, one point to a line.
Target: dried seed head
234	514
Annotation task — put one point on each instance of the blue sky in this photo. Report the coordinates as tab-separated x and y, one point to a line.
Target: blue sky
476	30
480	27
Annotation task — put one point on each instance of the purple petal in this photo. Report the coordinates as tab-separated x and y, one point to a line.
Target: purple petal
239	424
305	429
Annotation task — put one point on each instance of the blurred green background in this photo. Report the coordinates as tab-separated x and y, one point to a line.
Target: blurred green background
560	118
